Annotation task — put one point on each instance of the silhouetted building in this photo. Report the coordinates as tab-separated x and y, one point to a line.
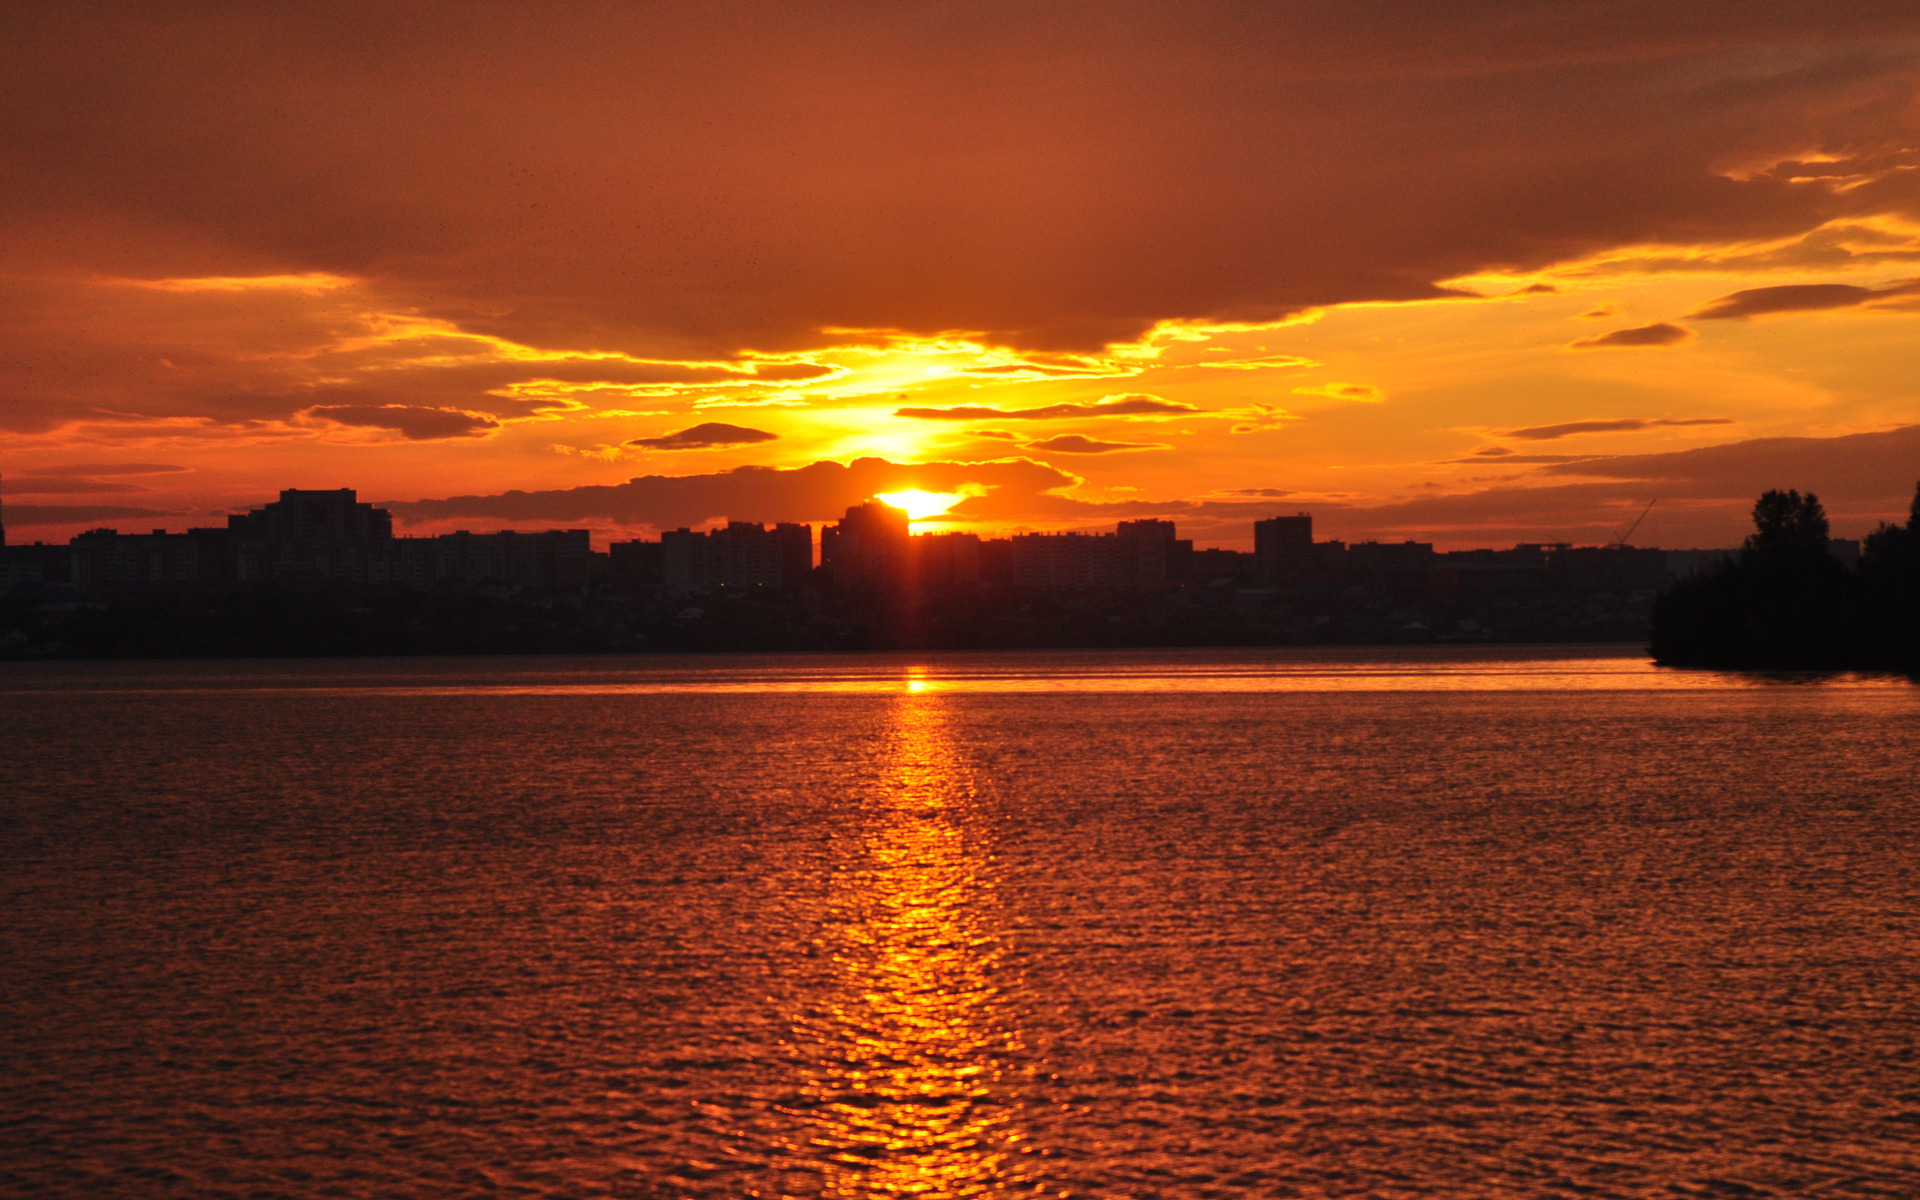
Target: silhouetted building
741	554
996	562
1282	545
107	560
868	547
938	561
331	537
796	552
1069	560
313	516
1619	570
1213	566
331	540
634	564
683	559
1389	558
1158	555
325	535
552	558
35	563
1138	554
1487	575
1329	555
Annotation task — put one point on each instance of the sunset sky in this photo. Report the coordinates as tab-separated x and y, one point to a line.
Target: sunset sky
1472	274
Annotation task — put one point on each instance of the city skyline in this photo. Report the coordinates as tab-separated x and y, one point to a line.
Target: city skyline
321	571
1279	535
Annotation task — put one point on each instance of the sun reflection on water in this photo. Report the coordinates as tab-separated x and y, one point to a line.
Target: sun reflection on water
904	1065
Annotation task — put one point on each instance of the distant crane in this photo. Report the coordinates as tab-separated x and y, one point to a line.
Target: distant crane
1620	540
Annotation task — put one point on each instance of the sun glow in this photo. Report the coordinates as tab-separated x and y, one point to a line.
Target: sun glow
921	504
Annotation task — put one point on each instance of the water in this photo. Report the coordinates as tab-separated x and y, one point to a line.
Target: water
1424	923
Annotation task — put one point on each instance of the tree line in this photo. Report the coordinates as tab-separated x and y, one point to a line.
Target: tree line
1785	603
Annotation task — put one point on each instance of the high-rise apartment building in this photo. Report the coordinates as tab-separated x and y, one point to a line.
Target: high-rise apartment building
740	554
945	560
1139	554
868	547
1282	545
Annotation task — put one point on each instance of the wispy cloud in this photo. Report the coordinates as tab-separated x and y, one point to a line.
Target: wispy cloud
1258	416
1132	404
94	469
1270	362
1547	433
1074	443
1660	333
1500	456
1335	390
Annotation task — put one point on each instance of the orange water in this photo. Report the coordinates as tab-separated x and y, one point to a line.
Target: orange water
1438	923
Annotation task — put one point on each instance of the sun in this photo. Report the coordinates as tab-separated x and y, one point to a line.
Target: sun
921	504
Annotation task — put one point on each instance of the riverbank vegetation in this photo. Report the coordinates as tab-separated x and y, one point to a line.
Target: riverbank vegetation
1786	603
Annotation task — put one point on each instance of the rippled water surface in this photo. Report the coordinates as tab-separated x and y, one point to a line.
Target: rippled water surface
1443	923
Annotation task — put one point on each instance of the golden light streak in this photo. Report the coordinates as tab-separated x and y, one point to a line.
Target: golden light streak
1365	393
907	1068
313	281
1846	245
1271	362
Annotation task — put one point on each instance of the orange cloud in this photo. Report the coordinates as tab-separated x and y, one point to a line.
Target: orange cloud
1661	333
1221	167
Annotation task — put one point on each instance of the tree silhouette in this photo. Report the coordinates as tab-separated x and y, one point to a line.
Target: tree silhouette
1787	603
1787	523
1890	583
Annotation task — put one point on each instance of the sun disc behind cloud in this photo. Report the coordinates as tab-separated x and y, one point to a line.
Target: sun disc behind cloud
921	504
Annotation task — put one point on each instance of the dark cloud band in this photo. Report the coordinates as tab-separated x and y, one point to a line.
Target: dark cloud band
414	424
1800	297
707	436
1074	443
1547	433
